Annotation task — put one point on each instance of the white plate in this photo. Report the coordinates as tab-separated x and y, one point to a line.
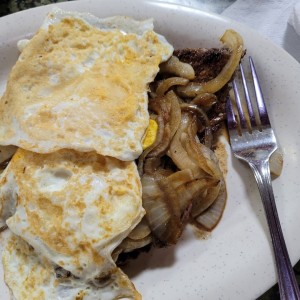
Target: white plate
236	261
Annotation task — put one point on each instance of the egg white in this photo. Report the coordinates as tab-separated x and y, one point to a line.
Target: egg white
81	83
73	208
33	277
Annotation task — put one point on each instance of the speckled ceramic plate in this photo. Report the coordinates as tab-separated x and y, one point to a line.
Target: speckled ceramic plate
236	260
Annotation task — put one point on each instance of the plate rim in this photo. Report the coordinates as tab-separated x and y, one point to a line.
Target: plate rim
185	8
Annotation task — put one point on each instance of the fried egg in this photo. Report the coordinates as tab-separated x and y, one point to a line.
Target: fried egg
81	83
33	277
74	208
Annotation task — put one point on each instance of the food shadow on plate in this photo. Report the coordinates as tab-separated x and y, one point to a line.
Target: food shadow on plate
155	258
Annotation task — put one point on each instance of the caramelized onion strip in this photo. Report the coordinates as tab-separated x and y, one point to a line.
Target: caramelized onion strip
204	156
176	151
210	218
203	117
169	113
175	114
165	227
140	231
186	193
176	67
166	84
129	244
205	100
201	203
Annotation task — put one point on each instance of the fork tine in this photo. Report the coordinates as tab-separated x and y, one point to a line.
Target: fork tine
247	97
231	121
239	105
262	110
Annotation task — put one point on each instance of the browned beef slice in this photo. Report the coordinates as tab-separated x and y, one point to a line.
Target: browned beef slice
207	63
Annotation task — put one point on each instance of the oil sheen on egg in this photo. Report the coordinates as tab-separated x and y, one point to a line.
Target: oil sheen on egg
74	208
81	83
33	277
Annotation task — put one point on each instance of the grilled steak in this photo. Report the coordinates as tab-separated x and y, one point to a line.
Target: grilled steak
207	64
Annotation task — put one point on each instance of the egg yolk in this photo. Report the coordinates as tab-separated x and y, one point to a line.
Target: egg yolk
150	134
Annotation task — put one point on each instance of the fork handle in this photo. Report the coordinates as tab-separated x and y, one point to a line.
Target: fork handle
288	286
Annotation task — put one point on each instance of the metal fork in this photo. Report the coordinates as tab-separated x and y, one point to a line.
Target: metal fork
253	141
